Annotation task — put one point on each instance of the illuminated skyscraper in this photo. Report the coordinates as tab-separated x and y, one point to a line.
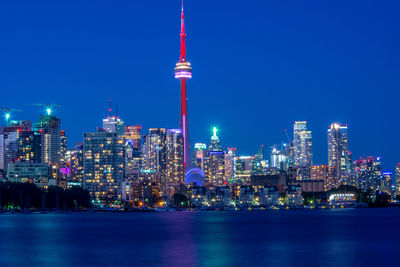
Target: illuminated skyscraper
302	145
397	180
133	136
242	169
230	164
132	140
49	127
63	148
339	157
199	154
386	182
258	163
113	124
103	165
175	169
29	147
368	173
154	154
183	71
76	164
215	144
9	142
279	157
215	162
319	172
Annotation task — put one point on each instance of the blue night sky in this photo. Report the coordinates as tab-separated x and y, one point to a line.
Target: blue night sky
258	66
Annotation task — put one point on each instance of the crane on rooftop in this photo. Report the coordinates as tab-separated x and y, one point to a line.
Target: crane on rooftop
48	107
8	112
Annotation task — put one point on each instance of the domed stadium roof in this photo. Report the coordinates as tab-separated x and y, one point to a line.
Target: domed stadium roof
195	175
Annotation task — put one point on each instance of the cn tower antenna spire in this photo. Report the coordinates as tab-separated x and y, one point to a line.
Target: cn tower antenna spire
183	37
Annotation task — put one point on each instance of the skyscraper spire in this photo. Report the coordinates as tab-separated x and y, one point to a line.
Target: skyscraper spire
183	35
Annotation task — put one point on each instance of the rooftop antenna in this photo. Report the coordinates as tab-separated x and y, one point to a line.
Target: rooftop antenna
109	107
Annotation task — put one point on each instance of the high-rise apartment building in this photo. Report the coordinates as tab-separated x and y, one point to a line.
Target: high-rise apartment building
243	169
302	145
215	161
230	156
319	172
175	172
132	135
397	180
76	164
199	155
103	165
133	139
339	157
49	127
279	157
368	173
9	142
154	155
63	148
29	147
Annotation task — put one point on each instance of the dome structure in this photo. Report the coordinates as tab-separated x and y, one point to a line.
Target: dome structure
195	175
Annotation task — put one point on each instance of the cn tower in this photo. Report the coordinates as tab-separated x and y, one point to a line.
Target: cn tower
183	71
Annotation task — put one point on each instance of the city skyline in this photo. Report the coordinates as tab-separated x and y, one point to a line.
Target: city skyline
246	138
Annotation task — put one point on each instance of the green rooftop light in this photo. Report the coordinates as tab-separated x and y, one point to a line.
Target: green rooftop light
7	116
48	110
215	130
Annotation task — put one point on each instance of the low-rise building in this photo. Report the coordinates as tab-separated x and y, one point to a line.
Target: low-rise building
27	172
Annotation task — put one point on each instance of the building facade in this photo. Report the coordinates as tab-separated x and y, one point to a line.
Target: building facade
339	157
175	161
103	165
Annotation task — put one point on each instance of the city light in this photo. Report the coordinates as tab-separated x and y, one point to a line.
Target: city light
215	130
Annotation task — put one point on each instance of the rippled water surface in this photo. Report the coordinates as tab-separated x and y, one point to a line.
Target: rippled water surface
345	237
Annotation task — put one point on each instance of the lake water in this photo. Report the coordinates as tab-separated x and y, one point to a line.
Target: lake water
341	237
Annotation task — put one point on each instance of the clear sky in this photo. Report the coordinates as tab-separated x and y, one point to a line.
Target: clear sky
258	65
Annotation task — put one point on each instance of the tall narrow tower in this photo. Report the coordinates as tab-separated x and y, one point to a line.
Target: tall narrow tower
183	71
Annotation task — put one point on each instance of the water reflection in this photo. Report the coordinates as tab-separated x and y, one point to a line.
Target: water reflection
284	238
